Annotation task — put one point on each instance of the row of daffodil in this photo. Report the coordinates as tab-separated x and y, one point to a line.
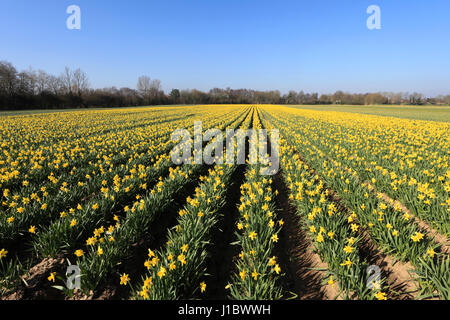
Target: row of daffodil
43	207
116	149
412	167
41	197
104	253
397	233
65	232
388	225
123	189
74	220
33	162
127	148
333	232
58	189
62	235
434	276
425	193
394	231
69	136
427	257
257	270
175	270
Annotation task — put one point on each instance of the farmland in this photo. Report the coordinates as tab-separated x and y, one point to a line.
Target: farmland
359	208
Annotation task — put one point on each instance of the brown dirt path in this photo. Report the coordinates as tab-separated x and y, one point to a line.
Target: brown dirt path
36	285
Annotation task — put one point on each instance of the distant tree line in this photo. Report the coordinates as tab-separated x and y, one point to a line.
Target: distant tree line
31	89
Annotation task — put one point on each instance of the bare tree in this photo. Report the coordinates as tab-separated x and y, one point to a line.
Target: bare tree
55	85
80	82
38	89
144	85
155	85
42	81
149	90
66	79
26	82
8	78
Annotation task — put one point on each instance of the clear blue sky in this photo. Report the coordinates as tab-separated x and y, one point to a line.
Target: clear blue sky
320	45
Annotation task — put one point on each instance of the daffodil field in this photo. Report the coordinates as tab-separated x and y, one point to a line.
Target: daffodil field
97	189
